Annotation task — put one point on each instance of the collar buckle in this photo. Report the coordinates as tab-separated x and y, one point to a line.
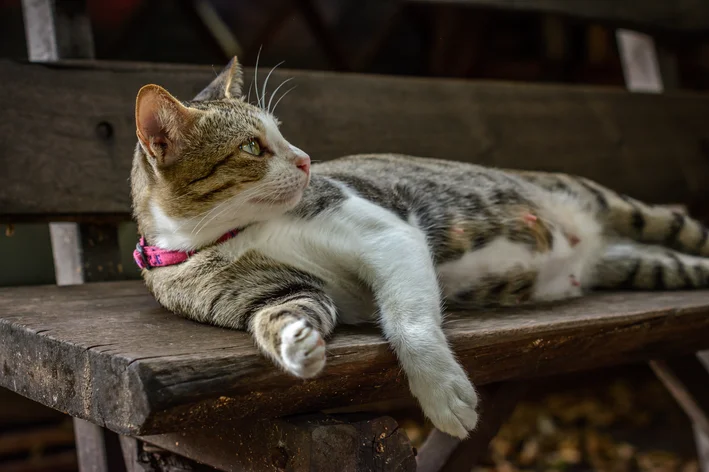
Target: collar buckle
140	256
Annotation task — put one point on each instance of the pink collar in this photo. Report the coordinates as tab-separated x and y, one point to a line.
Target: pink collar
148	257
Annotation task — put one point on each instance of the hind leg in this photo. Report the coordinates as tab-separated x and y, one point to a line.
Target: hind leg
631	265
625	217
508	289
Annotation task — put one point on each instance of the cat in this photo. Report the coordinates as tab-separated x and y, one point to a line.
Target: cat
247	235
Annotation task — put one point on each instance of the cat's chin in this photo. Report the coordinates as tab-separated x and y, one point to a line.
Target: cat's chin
287	202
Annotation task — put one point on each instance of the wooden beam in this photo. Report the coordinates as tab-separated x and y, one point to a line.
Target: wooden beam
688	381
61	29
107	353
662	15
701	439
443	453
57	29
298	444
633	143
139	457
98	449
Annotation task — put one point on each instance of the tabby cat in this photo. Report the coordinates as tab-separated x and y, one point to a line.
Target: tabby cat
372	238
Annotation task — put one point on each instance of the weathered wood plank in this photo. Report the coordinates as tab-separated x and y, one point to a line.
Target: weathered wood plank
634	143
139	458
676	15
107	353
299	444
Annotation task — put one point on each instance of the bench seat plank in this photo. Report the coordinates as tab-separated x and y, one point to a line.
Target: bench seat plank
106	352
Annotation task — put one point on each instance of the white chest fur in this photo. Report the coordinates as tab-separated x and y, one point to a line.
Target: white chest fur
327	247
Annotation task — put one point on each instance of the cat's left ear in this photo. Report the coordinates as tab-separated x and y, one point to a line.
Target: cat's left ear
228	84
162	123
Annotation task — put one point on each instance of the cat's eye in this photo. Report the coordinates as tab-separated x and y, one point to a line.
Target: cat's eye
251	147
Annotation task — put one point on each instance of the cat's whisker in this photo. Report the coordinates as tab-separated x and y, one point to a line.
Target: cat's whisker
189	220
225	202
258	57
248	96
265	82
246	192
279	100
268	108
233	208
241	200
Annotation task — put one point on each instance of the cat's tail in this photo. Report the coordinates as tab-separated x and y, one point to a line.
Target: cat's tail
650	224
630	265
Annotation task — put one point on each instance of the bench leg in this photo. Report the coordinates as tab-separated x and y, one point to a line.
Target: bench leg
702	441
687	379
97	449
141	457
443	453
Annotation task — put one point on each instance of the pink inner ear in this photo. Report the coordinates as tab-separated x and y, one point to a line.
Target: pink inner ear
149	125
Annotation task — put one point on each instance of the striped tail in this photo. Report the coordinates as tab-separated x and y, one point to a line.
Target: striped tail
629	265
650	224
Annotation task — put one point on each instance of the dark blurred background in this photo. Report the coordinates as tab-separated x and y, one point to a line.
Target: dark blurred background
373	36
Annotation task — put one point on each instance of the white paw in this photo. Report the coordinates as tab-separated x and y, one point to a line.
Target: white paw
448	399
302	349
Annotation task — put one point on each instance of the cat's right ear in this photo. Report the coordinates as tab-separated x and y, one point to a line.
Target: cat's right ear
227	84
161	123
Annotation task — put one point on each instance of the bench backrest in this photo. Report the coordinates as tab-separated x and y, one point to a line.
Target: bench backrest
68	135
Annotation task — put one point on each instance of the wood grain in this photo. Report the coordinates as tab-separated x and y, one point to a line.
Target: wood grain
57	157
677	15
139	458
108	353
300	444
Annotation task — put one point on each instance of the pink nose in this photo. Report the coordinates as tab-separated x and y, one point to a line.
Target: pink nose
303	163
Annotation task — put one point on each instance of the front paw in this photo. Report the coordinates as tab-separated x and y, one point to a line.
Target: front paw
448	399
302	349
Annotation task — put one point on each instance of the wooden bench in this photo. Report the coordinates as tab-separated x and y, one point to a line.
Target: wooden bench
108	355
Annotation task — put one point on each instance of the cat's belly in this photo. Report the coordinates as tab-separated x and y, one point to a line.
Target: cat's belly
560	272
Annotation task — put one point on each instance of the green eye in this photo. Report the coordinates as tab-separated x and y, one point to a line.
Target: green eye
252	147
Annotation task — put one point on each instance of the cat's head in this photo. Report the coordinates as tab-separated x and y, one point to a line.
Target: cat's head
209	165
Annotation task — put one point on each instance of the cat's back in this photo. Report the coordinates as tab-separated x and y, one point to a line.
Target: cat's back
401	183
394	167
